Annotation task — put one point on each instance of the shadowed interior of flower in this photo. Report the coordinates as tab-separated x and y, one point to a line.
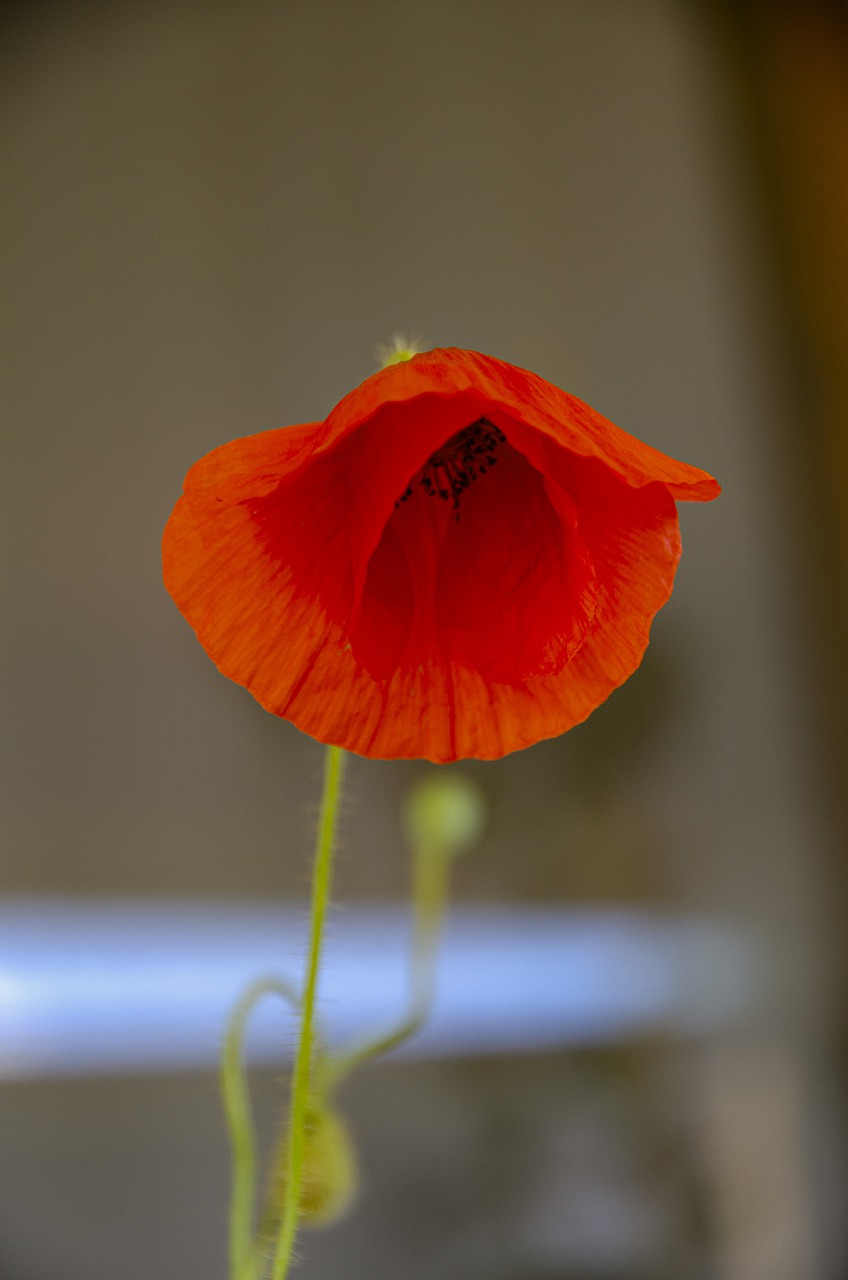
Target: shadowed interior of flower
490	573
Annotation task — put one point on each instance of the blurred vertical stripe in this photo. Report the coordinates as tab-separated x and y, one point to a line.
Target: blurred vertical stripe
792	56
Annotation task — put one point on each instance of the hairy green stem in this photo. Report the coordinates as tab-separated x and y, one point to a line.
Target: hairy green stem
321	882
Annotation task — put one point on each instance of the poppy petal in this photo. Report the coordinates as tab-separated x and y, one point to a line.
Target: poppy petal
495	386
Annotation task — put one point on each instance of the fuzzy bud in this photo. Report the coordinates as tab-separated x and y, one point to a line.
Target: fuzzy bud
445	811
329	1178
397	351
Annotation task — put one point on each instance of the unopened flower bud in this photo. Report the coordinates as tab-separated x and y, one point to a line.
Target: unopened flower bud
445	811
329	1177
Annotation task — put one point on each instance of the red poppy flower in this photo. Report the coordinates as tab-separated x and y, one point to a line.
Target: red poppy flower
459	561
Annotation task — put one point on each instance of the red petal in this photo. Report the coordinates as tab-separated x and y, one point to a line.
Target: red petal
496	386
252	465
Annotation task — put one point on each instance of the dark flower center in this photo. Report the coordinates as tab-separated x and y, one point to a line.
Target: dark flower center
463	458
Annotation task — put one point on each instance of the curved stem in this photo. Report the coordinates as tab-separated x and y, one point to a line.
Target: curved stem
321	881
236	1099
431	877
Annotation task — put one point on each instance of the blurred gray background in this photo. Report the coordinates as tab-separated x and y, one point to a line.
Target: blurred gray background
212	213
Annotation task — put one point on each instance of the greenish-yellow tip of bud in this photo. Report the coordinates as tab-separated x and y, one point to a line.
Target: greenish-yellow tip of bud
445	811
399	349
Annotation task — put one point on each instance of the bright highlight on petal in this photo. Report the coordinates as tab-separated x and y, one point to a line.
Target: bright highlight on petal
460	561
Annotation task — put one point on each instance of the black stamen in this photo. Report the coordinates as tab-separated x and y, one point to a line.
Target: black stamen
449	471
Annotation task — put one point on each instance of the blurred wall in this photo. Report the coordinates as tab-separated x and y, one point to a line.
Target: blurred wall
211	214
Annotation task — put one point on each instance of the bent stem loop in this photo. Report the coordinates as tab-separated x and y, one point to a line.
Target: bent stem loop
321	882
431	880
236	1098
